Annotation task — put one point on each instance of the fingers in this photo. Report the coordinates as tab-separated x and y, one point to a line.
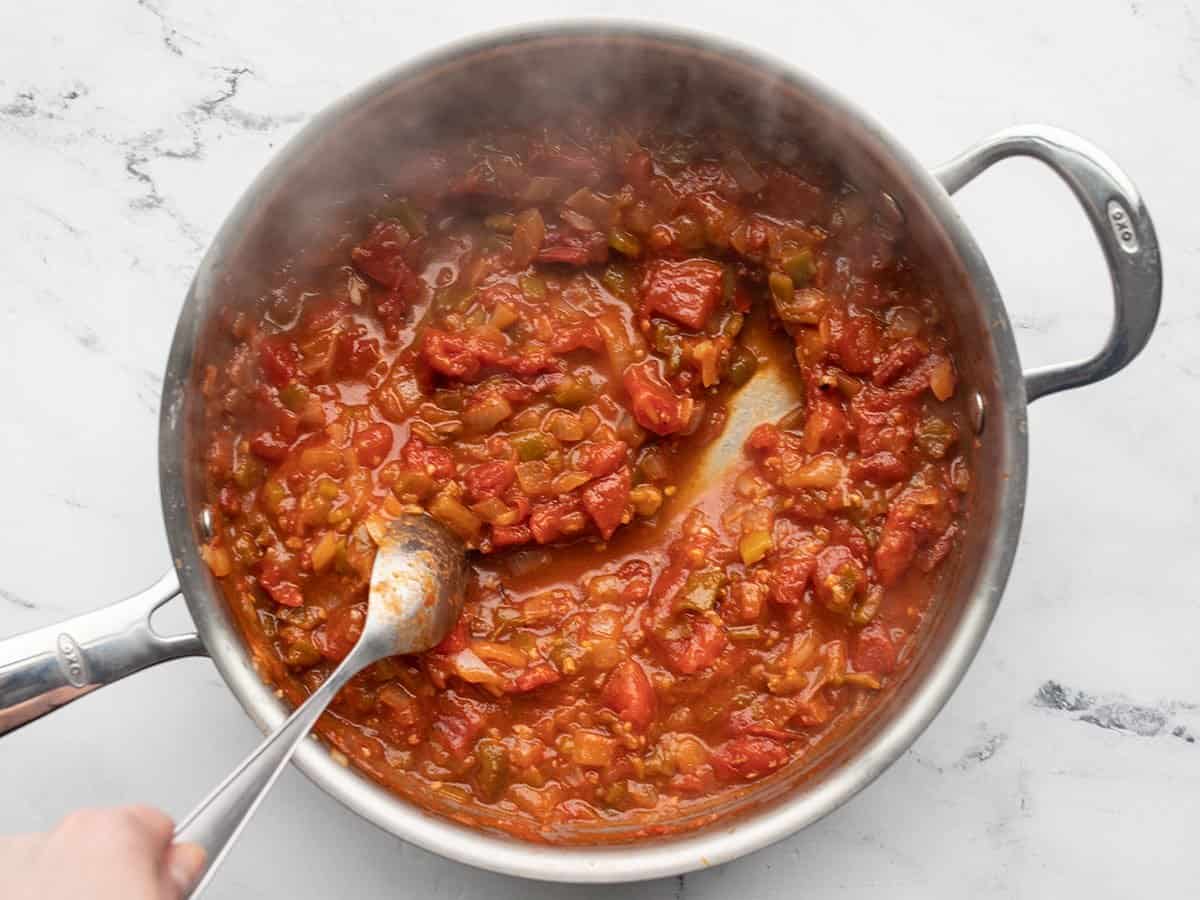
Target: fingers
140	825
101	854
149	824
126	850
184	864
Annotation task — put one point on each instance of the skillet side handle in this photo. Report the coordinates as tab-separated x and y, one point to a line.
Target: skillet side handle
47	668
1122	226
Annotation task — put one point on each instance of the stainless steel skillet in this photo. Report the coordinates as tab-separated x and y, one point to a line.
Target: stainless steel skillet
341	159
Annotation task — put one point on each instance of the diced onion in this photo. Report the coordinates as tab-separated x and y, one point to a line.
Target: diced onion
592	749
455	516
534	477
217	558
486	413
566	482
494	651
942	380
324	551
754	546
823	472
469	667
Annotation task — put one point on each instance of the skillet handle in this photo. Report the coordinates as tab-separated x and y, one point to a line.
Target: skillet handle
47	668
1122	226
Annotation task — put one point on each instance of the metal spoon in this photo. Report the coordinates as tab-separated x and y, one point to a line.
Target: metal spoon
417	586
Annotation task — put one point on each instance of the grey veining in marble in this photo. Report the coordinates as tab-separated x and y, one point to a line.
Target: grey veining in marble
1065	765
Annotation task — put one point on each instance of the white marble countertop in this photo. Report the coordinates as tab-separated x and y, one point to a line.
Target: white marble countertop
127	129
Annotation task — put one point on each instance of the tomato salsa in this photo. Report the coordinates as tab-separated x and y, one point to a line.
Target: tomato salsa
536	337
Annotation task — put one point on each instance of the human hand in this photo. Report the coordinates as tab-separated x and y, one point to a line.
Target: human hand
123	853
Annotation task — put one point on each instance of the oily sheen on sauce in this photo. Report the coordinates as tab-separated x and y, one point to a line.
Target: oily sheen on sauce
535	336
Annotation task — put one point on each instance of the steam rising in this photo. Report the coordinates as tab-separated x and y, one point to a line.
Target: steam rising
355	154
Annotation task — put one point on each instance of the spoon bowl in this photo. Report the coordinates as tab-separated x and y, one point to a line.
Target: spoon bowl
417	585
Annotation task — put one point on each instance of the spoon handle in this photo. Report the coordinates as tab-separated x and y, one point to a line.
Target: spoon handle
216	822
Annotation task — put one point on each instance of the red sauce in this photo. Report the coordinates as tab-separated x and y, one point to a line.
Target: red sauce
537	343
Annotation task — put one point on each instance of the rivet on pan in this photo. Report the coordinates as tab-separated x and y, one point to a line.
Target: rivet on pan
975	411
206	524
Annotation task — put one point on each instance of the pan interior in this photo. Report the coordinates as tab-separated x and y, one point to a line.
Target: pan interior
348	156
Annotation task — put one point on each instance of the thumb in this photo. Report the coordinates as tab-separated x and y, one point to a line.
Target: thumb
184	864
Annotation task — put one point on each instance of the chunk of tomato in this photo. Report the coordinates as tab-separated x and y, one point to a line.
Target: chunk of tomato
458	638
381	256
436	462
698	650
275	581
636	575
460	721
791	576
576	336
749	757
898	360
357	354
279	360
490	479
883	467
269	445
573	249
341	631
655	406
893	556
547	520
628	692
450	354
874	651
686	291
825	428
854	340
600	458
765	438
605	500
373	444
535	676
511	535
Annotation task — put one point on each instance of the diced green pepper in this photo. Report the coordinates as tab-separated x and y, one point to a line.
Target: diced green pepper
624	242
248	473
530	445
492	775
664	337
700	591
408	215
782	288
532	286
452	296
573	392
742	366
800	266
617	280
294	395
